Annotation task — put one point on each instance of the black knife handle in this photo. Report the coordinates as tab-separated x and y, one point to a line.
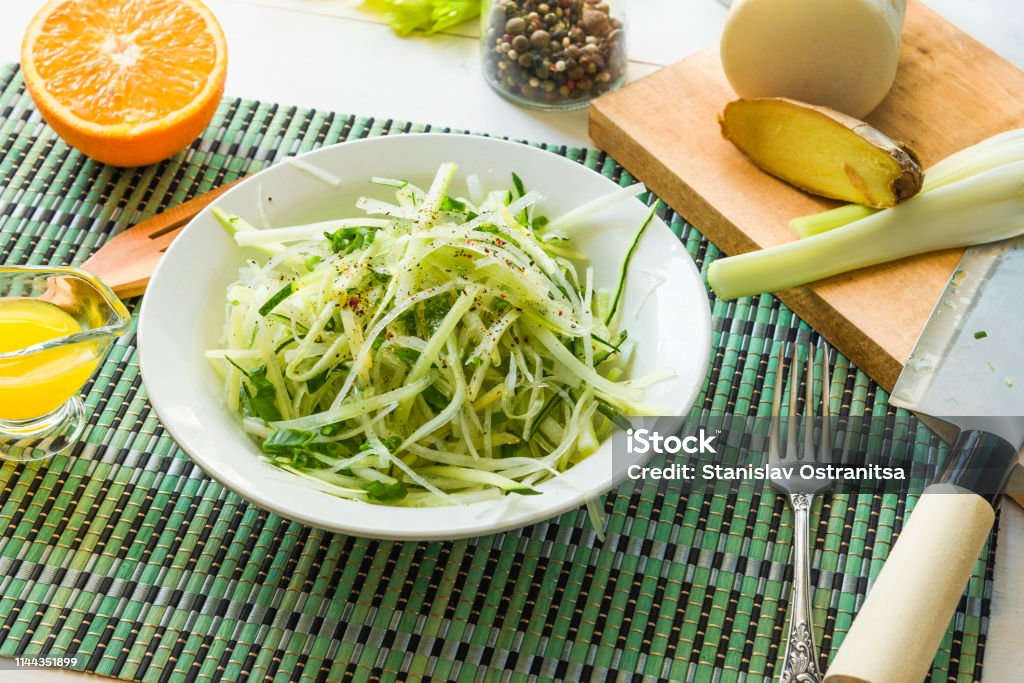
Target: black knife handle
979	461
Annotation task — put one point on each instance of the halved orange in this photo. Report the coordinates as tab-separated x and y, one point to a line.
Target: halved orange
127	82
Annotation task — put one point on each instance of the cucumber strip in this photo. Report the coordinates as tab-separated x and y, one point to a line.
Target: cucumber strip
347	411
625	266
476	476
575	217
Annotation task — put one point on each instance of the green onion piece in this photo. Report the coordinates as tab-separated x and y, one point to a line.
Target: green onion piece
406	354
286	441
524	491
434	398
517	182
332	429
356	242
331	449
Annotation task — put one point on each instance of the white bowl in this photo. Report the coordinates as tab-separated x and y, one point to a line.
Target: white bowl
665	310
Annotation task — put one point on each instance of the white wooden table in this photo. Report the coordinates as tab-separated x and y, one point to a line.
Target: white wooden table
332	55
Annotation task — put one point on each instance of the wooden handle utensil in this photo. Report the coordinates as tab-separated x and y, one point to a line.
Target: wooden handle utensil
907	611
126	262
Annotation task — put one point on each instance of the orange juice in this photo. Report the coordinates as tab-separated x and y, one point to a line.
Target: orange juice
36	384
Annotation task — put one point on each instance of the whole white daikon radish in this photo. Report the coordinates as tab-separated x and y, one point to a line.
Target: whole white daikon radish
837	53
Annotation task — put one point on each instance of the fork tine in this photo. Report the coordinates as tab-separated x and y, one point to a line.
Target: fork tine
825	449
809	448
826	388
793	422
780	358
773	430
799	642
794	380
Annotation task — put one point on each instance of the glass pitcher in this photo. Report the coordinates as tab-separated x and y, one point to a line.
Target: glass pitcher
56	325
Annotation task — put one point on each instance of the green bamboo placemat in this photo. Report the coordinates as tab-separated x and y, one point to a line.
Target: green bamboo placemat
124	555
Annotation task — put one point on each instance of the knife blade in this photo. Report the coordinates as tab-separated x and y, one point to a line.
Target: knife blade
967	369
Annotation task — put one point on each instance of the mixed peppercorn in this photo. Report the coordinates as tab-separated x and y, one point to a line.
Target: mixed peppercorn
554	52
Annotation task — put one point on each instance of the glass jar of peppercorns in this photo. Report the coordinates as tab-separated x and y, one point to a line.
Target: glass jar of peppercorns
553	54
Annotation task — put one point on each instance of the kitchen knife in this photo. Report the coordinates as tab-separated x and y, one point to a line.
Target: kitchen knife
967	368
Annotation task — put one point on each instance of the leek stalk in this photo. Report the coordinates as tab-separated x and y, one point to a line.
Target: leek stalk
986	207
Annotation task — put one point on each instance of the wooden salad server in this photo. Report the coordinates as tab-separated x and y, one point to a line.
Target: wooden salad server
126	262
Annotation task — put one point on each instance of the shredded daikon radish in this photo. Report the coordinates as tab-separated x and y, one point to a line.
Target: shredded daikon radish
438	353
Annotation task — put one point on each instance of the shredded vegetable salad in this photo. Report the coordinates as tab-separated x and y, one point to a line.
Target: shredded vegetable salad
435	350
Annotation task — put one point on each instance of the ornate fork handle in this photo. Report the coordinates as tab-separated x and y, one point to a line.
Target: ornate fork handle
800	663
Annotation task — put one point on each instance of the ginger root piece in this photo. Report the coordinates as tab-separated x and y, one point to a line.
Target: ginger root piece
823	151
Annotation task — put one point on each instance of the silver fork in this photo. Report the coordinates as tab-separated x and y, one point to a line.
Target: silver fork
800	659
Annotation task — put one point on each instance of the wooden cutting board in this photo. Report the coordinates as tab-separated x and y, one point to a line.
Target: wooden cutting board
950	92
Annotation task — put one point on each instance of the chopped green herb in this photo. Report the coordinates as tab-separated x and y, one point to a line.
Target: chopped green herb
386	493
347	240
434	311
453	205
261	398
492	229
406	354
